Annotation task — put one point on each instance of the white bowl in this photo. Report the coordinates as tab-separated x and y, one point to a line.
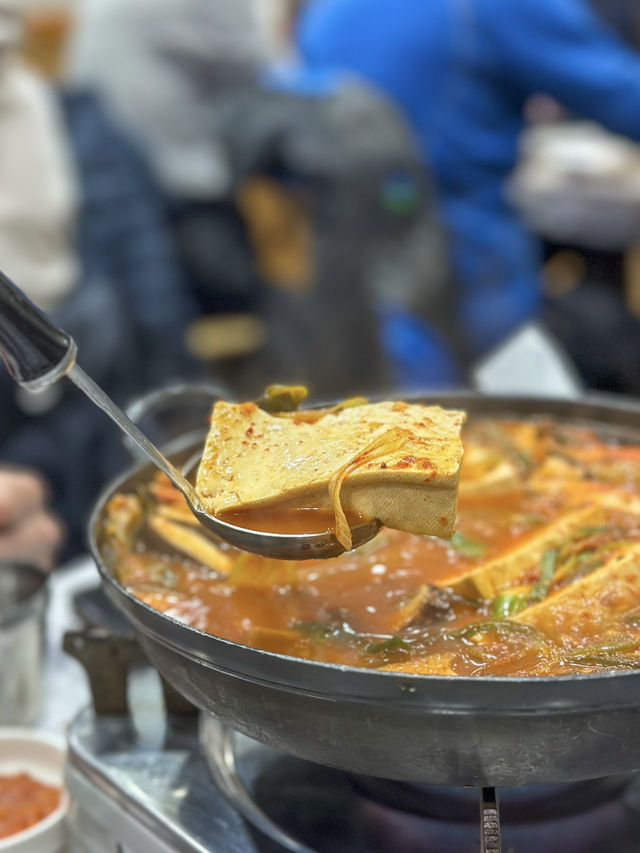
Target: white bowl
41	755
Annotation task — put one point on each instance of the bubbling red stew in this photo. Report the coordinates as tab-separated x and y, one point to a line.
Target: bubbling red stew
542	576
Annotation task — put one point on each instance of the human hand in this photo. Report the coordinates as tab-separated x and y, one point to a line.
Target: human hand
28	532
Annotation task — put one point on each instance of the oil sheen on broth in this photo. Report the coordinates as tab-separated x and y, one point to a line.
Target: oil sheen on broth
540	578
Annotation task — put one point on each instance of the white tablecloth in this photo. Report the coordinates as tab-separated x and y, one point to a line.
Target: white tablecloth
65	689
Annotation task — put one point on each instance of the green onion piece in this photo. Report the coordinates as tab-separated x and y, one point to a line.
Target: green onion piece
585	556
503	627
385	645
282	398
541	588
347	404
583	532
567	568
467	547
620	661
615	643
508	604
496	435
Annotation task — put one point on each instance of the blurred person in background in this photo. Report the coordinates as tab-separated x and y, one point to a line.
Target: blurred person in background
167	69
29	533
268	182
83	233
461	71
368	242
623	16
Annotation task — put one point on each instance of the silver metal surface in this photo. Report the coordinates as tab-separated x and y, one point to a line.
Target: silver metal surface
435	729
302	546
140	783
217	741
283	546
175	398
489	822
23	598
103	401
146	787
61	369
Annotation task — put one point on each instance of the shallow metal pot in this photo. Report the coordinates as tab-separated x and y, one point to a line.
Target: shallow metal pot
418	728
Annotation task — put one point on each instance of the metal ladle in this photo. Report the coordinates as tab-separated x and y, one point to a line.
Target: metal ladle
37	354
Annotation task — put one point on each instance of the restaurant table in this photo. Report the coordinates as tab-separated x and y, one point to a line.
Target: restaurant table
65	690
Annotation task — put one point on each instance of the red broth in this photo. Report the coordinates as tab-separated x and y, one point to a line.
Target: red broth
395	602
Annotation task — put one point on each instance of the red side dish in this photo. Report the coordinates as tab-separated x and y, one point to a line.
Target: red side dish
24	801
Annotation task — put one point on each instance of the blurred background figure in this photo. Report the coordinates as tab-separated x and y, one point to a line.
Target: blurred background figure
28	532
159	226
461	71
83	232
623	16
300	202
167	69
365	209
368	242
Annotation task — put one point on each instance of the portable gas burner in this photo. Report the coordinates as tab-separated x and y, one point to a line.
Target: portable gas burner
150	776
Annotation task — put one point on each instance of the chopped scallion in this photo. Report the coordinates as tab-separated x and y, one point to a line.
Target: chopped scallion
466	546
541	588
508	604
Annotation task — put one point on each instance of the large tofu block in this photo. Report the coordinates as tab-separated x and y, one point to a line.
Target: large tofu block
255	460
494	576
591	606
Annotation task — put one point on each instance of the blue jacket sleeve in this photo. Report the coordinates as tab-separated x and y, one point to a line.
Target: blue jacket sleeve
561	48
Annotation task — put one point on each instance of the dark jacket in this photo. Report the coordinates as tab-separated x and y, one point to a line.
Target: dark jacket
127	316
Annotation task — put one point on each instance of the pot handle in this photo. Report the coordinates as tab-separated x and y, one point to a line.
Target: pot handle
37	353
172	397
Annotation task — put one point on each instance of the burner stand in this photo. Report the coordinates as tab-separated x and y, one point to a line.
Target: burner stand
152	779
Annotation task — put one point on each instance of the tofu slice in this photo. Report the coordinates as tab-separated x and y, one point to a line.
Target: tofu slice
585	608
504	571
588	610
400	462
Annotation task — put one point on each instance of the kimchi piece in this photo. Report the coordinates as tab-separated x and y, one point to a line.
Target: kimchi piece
391	461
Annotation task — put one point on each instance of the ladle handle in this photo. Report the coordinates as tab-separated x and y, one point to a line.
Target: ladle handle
36	352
